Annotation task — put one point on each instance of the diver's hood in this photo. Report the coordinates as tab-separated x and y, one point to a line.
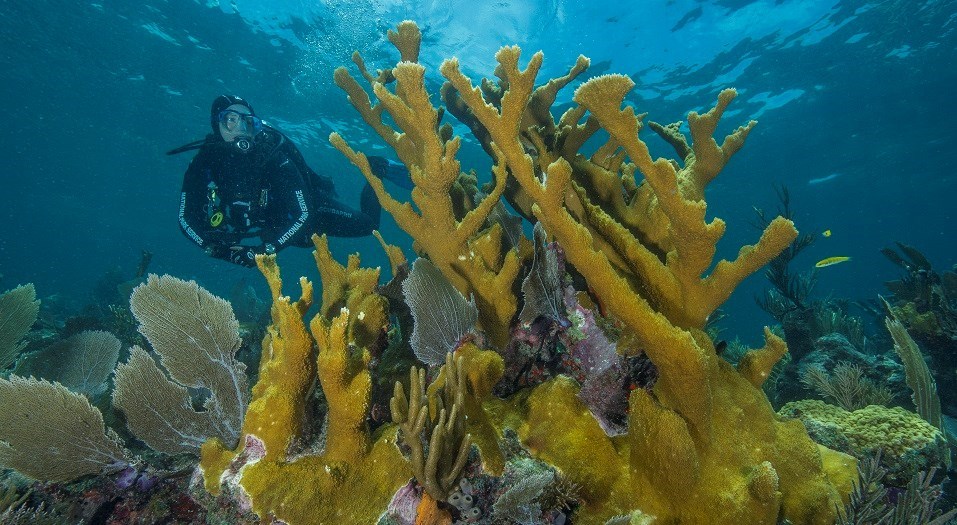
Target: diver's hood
222	102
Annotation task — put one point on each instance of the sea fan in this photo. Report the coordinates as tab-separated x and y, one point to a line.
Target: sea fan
196	336
18	312
52	434
604	376
542	286
82	362
511	224
442	315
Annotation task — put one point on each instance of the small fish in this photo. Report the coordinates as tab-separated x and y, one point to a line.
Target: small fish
820	180
830	260
826	233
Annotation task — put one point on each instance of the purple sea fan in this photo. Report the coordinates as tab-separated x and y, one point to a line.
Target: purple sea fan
606	396
520	355
534	352
589	346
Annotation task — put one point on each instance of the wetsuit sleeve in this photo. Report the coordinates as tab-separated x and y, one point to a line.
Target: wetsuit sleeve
289	209
192	217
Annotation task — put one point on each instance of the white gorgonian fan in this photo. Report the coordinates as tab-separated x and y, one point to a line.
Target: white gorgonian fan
442	315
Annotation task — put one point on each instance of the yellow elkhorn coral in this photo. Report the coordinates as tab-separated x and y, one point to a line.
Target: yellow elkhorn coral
705	445
355	477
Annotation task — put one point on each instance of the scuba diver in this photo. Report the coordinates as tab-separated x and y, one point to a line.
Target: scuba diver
248	190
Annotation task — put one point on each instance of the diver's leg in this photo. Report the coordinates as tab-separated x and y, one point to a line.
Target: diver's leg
334	218
390	170
369	204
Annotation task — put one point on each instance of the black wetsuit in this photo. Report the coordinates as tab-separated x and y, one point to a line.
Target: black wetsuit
232	196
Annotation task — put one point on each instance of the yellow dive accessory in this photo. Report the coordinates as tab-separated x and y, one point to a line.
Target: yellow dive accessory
216	219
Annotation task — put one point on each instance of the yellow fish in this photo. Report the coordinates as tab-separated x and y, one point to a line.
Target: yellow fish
830	260
826	233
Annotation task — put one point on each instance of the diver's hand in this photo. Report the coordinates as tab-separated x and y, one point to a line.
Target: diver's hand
243	256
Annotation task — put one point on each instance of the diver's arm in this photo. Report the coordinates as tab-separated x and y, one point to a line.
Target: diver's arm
290	210
193	221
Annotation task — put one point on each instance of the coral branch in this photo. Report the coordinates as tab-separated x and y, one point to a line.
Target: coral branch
438	472
344	374
434	169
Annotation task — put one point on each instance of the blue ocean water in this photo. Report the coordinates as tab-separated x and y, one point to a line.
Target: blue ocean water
853	98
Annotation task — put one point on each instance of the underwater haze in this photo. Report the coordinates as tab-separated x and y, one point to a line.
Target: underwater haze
854	101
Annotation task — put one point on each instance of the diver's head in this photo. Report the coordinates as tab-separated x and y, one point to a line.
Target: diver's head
234	120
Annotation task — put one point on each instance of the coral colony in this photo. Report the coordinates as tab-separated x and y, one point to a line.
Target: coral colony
562	378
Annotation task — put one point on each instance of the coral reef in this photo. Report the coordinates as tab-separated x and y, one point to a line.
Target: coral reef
871	502
924	301
113	501
908	443
53	433
357	472
619	407
642	248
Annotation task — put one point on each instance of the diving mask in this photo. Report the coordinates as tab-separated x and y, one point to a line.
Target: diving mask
234	124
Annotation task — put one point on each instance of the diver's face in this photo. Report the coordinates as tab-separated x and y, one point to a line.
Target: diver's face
235	122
